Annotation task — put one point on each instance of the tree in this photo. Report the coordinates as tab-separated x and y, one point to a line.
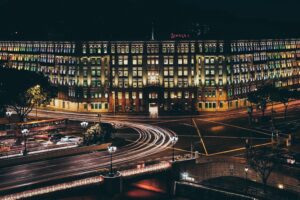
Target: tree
263	162
284	96
273	97
259	99
253	99
262	96
108	130
99	132
23	90
93	134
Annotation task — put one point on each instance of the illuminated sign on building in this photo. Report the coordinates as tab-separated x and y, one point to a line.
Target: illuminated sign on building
179	36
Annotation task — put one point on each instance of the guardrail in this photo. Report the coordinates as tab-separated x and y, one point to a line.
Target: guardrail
86	181
145	170
54	188
52	154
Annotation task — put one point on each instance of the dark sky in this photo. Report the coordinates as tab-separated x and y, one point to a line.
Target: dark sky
132	19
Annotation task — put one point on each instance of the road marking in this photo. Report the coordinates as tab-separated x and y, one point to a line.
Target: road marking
200	136
177	149
234	126
238	149
225	137
162	121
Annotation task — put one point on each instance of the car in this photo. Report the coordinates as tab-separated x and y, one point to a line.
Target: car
56	137
63	142
71	139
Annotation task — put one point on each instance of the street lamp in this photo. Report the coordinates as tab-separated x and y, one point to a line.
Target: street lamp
250	111
25	133
84	125
99	117
8	115
111	150
246	171
174	139
247	145
114	96
37	87
184	176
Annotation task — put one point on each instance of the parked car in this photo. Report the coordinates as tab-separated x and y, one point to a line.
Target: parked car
56	137
63	142
71	139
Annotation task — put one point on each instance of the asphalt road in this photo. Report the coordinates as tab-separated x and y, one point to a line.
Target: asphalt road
222	134
150	141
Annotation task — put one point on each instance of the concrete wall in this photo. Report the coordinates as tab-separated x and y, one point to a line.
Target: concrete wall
207	168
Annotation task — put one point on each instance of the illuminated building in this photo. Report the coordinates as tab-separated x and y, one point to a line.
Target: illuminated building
131	76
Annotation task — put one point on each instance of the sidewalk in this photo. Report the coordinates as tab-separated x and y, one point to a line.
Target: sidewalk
247	187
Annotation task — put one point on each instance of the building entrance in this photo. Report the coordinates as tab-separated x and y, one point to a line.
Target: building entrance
153	110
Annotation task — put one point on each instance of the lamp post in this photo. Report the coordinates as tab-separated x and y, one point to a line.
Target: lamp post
247	145
174	139
36	104
285	109
114	96
84	125
8	115
25	133
99	117
111	150
250	111
246	172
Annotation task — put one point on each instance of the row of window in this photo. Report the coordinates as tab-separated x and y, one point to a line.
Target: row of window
241	46
188	47
37	47
96	106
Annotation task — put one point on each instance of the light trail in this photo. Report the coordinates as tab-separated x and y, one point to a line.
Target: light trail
151	140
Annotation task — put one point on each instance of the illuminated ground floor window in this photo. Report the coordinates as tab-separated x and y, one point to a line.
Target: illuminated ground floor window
210	104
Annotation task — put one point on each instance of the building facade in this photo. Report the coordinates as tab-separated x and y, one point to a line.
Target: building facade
156	76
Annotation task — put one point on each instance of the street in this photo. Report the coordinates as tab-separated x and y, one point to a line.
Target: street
216	134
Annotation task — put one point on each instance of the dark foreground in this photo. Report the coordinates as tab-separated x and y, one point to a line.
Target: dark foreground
96	193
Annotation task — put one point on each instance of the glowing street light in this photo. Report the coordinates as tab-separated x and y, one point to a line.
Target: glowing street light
111	150
8	115
174	139
84	124
25	133
246	171
184	175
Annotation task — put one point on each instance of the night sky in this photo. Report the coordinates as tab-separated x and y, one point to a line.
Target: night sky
132	19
